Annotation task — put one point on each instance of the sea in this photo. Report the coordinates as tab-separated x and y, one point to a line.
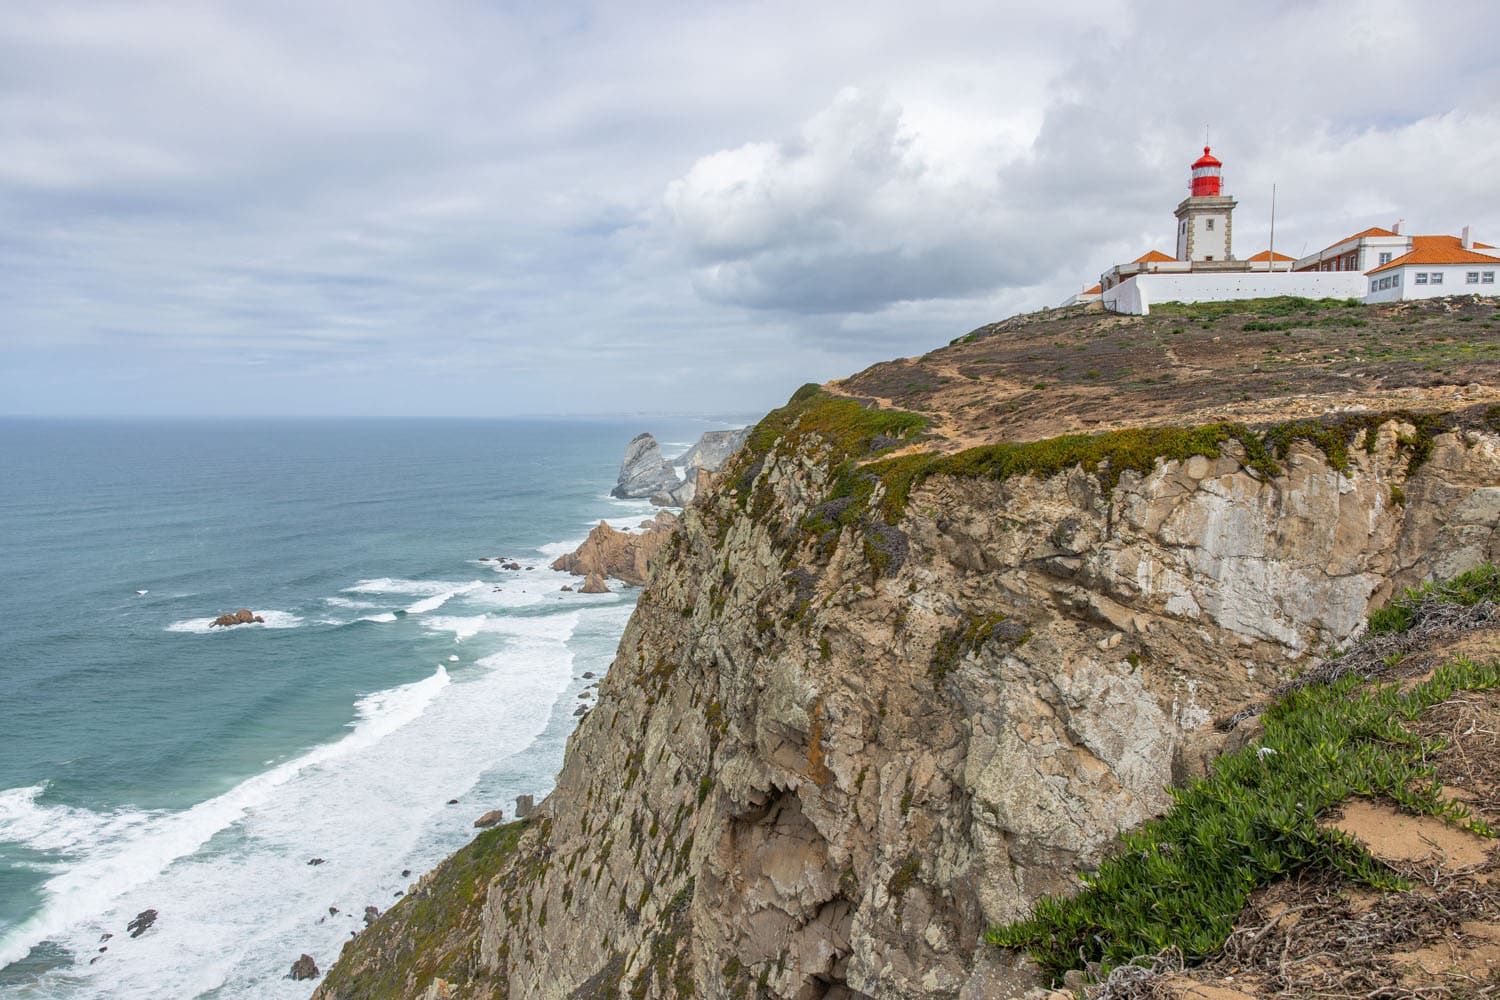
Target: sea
260	786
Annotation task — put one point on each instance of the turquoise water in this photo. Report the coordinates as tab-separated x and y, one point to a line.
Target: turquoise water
147	761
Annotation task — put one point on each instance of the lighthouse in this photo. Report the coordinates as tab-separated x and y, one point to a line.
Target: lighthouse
1204	217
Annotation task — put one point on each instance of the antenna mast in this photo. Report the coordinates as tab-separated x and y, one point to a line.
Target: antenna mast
1271	256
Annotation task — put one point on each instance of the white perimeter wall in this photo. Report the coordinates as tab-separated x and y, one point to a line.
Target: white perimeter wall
1137	295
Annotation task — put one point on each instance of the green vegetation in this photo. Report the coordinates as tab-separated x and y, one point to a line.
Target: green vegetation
1280	305
1467	589
971	634
902	878
430	933
848	427
1180	881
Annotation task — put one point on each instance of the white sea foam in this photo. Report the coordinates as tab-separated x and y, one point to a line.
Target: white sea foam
201	626
415	588
344	602
552	550
369	814
436	601
385	616
121	852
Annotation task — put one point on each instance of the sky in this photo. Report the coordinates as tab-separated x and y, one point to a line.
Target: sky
570	208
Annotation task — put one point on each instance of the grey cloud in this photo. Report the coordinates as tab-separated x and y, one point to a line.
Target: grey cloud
478	209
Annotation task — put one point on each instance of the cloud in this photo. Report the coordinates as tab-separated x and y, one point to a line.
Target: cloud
459	208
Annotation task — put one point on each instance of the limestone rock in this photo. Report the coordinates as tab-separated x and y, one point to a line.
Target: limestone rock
594	584
644	471
524	805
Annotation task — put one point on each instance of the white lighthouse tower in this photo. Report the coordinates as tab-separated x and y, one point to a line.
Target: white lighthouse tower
1205	217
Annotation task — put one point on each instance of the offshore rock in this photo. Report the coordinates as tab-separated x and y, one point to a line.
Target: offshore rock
624	555
644	471
492	818
244	616
141	924
594	584
304	968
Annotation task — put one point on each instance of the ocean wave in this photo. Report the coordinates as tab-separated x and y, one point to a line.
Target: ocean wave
383	617
436	601
413	588
371	804
201	626
552	550
344	602
118	852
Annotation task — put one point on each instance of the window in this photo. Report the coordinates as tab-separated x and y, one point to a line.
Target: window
1210	225
1437	277
1488	278
1472	278
1385	283
1421	277
1385	258
1374	285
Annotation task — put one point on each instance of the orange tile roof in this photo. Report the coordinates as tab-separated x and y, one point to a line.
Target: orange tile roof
1153	257
1439	250
1094	290
1444	241
1372	231
1266	255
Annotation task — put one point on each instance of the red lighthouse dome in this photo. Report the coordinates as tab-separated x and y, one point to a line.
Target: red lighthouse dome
1207	176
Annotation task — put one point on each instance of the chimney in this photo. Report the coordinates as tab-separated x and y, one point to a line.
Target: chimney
1396	226
1466	241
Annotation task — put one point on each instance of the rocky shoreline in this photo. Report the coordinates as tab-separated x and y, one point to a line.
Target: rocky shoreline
628	556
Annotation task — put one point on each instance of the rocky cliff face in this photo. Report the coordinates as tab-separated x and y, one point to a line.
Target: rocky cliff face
874	699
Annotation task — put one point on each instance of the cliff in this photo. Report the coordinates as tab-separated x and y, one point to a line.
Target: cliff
925	650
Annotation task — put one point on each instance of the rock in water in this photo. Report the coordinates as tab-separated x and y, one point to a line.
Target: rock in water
594	584
305	968
371	915
142	923
713	449
644	471
492	818
624	555
244	616
524	805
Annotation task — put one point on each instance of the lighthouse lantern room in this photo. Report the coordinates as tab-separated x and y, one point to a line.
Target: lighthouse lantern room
1205	216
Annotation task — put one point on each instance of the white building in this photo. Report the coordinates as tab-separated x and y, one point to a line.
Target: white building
1205	268
1360	252
1376	265
1436	266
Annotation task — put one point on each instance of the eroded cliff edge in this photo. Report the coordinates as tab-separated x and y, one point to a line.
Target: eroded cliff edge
883	691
